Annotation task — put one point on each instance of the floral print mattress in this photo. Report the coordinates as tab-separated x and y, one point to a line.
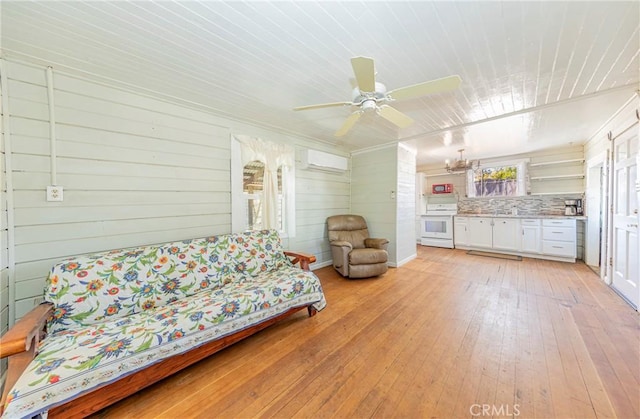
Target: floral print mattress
84	351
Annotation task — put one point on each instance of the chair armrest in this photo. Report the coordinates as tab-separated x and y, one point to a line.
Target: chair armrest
303	258
341	243
26	331
376	243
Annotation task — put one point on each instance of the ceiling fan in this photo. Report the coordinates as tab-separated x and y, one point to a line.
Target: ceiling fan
371	96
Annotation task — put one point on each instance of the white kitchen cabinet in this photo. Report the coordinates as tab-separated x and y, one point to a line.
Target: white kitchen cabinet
544	238
480	232
505	234
559	238
460	231
493	233
531	239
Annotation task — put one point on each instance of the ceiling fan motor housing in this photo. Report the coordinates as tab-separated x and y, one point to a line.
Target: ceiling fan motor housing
360	96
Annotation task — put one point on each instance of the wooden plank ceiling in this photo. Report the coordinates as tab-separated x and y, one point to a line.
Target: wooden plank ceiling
556	70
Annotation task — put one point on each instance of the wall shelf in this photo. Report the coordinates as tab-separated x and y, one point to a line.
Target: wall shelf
550	163
558	193
559	177
443	174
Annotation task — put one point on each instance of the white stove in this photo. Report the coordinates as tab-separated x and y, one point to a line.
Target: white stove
436	225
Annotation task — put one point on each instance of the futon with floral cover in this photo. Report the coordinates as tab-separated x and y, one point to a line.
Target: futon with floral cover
119	312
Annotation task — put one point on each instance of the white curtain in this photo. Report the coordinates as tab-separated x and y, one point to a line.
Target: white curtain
273	155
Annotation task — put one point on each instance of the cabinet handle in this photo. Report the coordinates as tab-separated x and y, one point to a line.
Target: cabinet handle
557	232
557	247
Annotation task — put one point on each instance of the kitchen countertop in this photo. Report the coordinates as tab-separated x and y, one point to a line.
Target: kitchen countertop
547	216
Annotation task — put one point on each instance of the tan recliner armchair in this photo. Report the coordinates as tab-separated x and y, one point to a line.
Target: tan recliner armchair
355	254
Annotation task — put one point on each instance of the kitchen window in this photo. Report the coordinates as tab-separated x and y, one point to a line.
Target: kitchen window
498	180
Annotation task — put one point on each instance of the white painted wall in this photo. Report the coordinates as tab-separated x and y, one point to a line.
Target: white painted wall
383	191
406	206
624	117
135	170
4	259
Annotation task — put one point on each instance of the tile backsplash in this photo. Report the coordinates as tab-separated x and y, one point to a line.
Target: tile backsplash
526	205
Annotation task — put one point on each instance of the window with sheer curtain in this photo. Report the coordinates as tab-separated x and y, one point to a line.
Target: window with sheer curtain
252	188
262	185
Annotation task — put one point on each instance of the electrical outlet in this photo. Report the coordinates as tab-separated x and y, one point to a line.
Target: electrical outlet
54	193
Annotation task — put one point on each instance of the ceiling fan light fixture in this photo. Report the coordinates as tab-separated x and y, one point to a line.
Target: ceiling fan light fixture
460	165
369	105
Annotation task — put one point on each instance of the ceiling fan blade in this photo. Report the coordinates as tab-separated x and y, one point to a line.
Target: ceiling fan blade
394	116
348	124
322	105
365	73
429	87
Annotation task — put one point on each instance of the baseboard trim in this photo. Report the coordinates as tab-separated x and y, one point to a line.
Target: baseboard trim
403	261
319	265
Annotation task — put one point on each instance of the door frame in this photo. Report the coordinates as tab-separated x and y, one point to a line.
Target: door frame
597	191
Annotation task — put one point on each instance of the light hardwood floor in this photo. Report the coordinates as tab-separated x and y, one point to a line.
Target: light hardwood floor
441	336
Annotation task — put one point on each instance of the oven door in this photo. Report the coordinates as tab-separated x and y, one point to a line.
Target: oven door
437	226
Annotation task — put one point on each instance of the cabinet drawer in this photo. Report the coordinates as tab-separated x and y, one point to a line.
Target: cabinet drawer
554	248
554	222
559	233
530	222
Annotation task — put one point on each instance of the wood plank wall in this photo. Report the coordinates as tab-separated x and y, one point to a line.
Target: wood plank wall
135	170
376	174
4	249
373	177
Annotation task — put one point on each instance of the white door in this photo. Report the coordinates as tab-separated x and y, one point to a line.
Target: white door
625	218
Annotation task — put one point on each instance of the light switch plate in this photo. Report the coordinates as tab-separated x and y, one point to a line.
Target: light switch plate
54	193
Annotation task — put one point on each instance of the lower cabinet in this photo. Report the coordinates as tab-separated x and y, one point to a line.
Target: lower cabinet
559	238
460	227
480	233
493	233
531	240
505	234
547	238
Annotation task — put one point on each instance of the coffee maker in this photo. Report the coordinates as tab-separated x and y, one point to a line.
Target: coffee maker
579	208
571	207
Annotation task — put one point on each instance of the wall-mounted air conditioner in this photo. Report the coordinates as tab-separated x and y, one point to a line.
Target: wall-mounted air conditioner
319	160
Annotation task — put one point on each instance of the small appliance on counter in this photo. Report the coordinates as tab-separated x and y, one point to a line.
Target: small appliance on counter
571	206
579	207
